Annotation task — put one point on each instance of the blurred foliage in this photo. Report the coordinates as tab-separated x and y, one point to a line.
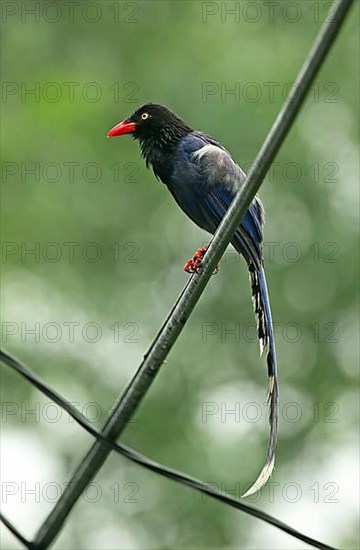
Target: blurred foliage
123	270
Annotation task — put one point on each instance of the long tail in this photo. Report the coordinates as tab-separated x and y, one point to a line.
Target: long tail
262	310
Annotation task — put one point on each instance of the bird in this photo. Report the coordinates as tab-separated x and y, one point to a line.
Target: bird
203	178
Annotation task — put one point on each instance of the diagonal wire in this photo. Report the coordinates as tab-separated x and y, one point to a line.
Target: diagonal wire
149	464
14	531
130	399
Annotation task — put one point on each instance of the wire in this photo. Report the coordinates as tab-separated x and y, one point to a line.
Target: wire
149	464
14	531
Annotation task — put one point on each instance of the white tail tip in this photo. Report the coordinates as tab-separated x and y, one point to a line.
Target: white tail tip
261	480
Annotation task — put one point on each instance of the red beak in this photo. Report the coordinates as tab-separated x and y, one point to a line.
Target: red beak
122	128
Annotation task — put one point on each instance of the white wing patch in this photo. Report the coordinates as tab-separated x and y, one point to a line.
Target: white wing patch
207	150
219	167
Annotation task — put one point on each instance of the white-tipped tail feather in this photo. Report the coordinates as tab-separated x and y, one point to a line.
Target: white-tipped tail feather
262	311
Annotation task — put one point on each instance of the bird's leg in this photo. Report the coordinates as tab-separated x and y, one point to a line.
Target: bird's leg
192	265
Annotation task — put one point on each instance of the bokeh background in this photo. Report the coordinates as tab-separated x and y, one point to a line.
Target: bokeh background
93	249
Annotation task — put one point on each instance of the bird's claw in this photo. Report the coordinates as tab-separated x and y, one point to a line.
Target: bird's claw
192	265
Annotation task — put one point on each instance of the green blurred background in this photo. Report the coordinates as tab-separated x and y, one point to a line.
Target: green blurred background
108	246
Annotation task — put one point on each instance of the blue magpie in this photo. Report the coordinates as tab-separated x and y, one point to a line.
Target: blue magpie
203	179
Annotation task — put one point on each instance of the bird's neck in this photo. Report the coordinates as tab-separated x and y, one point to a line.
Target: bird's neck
158	147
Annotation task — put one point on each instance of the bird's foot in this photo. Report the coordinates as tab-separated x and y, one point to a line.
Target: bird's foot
192	265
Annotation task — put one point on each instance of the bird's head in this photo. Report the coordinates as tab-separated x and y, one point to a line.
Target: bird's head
152	123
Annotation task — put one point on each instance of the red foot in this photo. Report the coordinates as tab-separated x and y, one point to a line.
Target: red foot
192	265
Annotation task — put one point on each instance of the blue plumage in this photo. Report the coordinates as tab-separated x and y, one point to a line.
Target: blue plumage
203	179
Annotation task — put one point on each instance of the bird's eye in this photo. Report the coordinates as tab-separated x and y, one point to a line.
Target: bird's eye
144	116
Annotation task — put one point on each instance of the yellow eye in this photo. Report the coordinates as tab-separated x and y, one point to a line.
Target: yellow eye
144	116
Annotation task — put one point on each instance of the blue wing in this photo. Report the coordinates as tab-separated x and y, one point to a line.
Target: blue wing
204	183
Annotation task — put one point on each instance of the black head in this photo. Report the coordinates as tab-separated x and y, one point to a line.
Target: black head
153	125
